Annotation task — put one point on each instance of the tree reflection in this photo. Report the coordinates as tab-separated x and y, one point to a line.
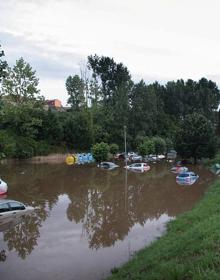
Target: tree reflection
23	237
108	204
3	256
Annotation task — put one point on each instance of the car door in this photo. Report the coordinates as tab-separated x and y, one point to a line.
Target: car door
4	210
16	207
137	166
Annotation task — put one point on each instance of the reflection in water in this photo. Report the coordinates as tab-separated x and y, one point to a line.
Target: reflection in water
107	209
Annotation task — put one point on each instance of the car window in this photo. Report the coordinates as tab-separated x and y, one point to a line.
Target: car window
4	207
184	175
16	206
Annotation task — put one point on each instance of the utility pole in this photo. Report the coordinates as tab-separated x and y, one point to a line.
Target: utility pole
125	131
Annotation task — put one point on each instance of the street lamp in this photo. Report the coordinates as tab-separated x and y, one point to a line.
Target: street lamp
125	130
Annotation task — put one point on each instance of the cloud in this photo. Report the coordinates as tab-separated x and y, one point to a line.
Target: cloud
47	63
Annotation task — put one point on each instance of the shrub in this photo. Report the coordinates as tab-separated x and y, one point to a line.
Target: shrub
159	144
100	151
113	148
7	145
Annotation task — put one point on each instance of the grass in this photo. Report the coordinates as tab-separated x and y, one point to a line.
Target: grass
189	250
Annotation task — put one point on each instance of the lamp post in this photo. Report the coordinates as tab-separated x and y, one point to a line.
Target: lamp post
125	130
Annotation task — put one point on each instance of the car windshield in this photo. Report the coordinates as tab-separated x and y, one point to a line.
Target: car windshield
16	206
183	175
4	207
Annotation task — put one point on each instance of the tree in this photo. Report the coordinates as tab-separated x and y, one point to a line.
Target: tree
112	86
3	65
77	130
113	148
146	148
20	84
100	151
196	137
160	145
75	88
143	110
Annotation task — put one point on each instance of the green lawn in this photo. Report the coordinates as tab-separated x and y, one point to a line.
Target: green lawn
189	250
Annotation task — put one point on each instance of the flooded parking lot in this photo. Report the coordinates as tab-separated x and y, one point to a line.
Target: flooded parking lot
87	220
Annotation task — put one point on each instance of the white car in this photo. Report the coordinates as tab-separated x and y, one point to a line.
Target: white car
136	158
10	207
142	166
107	165
186	178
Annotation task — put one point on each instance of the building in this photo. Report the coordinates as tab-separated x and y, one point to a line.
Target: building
54	103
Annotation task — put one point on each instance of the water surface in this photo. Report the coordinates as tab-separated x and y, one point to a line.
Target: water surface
87	220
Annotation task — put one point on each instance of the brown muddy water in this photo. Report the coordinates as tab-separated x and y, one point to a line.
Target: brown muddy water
87	220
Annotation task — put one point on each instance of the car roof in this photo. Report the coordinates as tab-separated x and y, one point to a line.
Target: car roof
8	200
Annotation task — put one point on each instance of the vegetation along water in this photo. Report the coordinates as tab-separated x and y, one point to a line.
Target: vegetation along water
102	106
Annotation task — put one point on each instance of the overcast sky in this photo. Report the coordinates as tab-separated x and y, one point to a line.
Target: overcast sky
156	39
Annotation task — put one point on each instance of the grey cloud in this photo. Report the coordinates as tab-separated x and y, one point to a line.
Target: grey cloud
48	63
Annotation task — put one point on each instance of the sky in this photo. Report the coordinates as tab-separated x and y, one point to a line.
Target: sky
158	40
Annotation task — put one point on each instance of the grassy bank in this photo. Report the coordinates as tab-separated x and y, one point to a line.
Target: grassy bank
189	250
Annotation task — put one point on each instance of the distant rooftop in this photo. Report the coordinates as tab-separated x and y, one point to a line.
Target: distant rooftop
54	103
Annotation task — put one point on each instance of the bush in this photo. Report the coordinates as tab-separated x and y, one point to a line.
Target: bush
7	145
25	148
160	145
113	148
100	151
146	148
42	148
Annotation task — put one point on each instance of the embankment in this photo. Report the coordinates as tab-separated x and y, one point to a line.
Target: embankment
189	250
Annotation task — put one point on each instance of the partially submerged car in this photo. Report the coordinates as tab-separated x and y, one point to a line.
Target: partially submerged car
186	178
140	166
136	157
179	169
107	165
10	207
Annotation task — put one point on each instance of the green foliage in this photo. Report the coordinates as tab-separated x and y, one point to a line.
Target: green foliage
25	147
51	128
3	66
20	83
196	137
169	144
77	131
146	111
75	88
113	148
142	149
159	145
7	145
100	151
146	148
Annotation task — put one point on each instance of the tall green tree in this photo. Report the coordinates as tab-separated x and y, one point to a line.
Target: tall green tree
115	85
75	88
21	84
3	65
196	138
143	111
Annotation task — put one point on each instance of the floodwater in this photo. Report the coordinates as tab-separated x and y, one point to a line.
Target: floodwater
87	220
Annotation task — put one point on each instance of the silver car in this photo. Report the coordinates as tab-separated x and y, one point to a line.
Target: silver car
10	207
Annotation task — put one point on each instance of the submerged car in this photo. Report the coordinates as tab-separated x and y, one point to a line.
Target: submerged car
107	165
3	187
10	207
136	158
179	169
142	166
186	178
